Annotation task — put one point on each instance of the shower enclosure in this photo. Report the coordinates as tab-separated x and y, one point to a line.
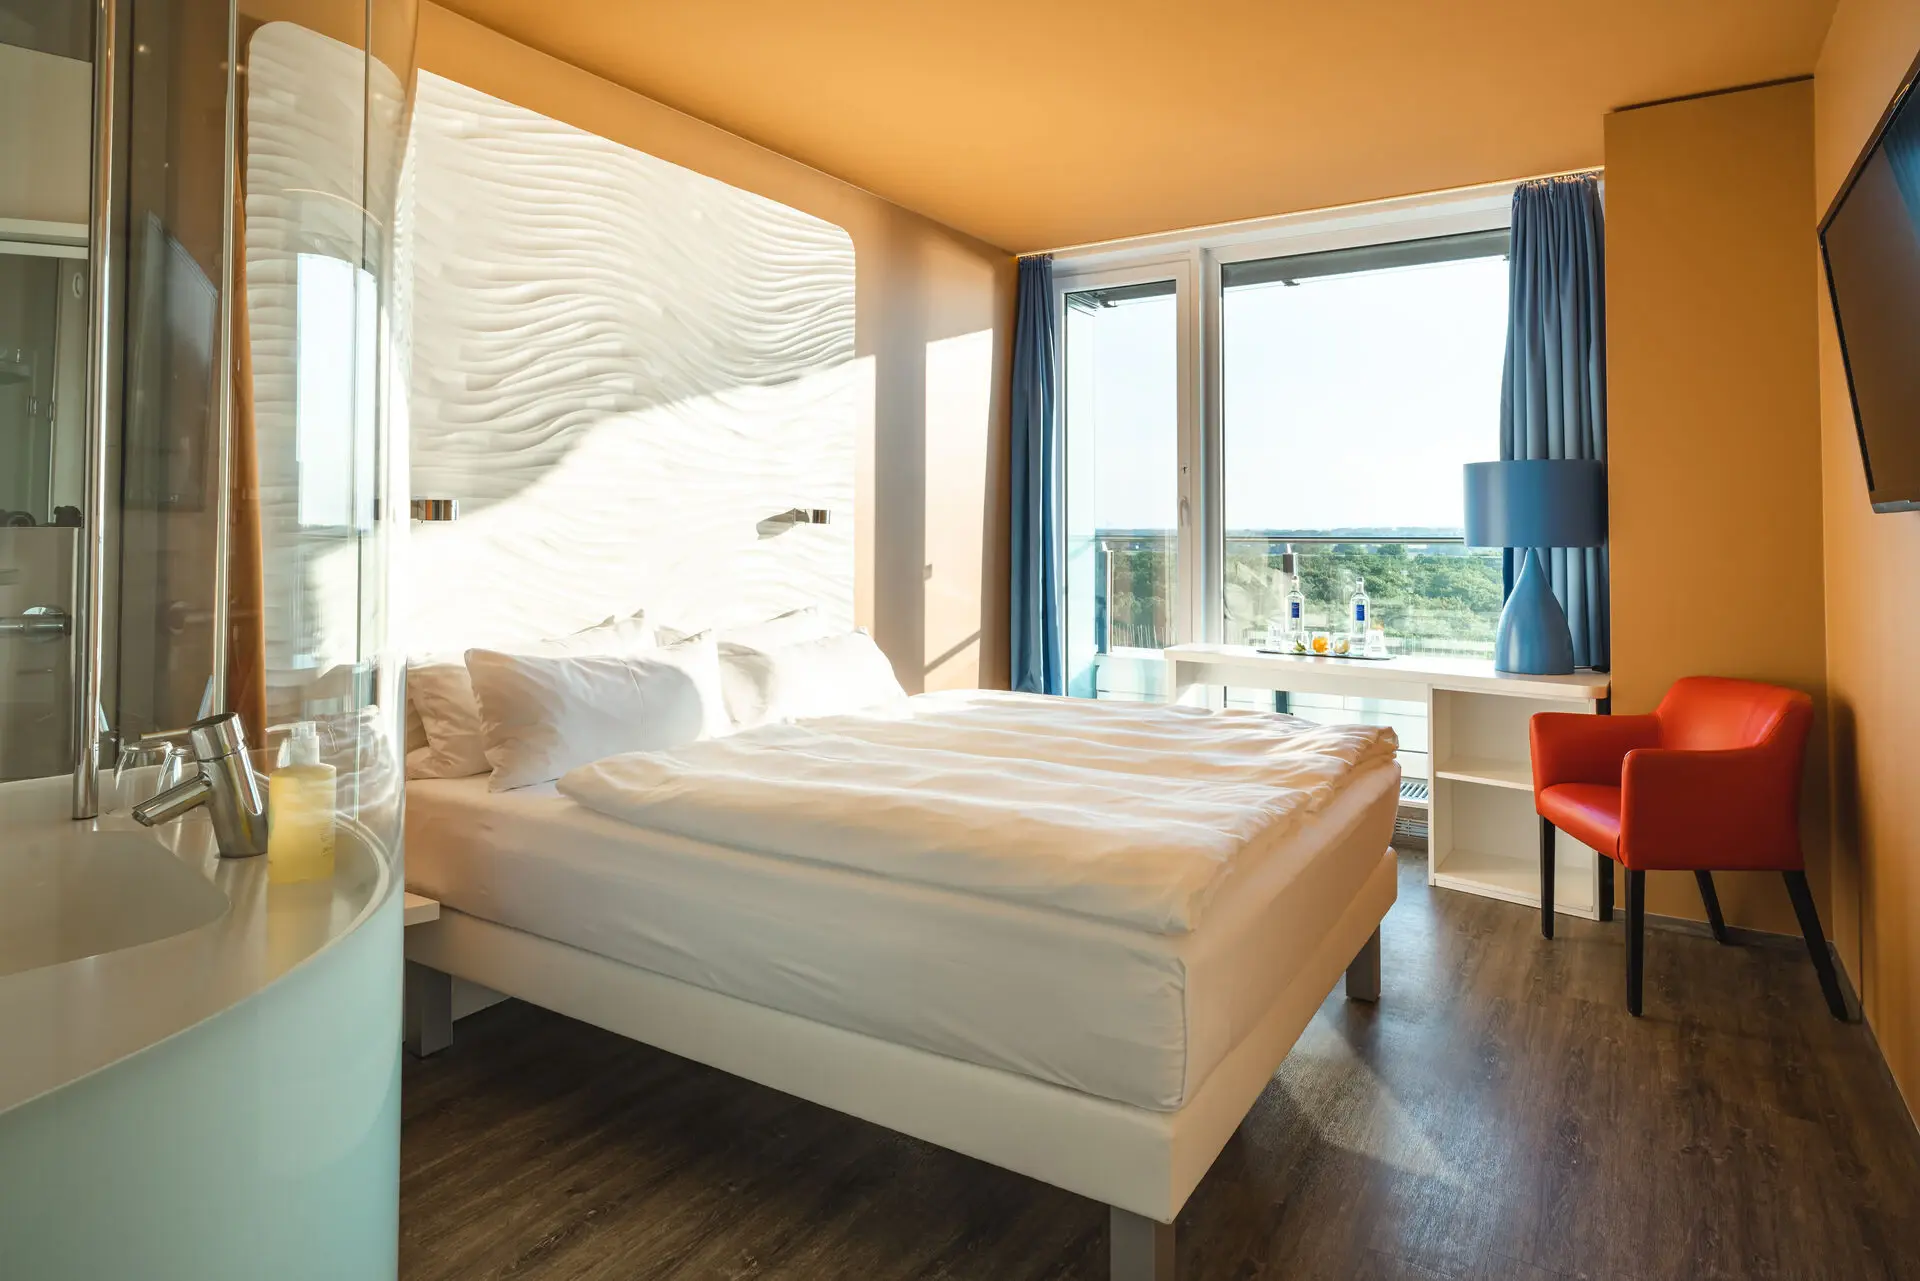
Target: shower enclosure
201	346
202	470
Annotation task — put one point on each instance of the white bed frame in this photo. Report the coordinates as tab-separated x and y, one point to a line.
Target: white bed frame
1142	1163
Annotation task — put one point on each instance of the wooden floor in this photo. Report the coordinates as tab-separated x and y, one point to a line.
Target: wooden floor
1498	1115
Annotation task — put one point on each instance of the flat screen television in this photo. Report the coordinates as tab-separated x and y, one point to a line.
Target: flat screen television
1870	242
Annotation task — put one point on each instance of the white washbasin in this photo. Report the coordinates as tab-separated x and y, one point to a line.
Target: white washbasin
68	895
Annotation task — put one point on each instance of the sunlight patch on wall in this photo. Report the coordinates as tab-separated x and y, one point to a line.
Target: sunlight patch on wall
959	406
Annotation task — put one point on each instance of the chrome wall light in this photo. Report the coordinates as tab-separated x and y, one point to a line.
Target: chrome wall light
781	523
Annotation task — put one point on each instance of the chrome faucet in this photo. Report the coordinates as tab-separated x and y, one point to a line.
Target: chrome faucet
226	784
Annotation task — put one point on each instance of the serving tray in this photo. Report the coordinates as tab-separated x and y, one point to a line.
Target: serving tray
1345	658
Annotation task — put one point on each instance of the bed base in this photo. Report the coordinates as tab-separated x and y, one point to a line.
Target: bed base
1143	1164
428	1019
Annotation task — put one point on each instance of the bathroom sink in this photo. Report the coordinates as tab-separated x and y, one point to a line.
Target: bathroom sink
81	893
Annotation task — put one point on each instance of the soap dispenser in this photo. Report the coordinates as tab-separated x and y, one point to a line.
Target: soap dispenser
300	810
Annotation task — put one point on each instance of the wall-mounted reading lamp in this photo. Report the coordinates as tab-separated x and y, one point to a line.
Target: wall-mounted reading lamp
434	509
786	520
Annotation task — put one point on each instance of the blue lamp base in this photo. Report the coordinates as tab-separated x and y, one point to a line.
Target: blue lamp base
1533	639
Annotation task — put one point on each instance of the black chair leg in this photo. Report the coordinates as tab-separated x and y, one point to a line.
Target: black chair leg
1636	937
1712	900
1546	879
1816	942
1606	888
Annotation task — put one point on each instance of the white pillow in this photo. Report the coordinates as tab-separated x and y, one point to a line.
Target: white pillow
440	693
416	730
543	715
826	676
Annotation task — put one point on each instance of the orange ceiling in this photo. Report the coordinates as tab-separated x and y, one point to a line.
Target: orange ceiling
1054	122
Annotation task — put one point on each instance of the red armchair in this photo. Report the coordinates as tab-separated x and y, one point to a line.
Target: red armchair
1709	782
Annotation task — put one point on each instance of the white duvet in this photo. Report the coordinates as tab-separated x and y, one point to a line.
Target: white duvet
1128	812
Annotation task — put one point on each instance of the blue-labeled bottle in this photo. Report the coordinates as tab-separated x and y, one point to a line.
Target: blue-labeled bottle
1360	613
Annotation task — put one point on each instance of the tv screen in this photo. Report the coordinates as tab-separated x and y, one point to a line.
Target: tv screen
1870	241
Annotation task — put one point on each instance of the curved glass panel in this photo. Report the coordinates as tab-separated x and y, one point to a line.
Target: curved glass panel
321	148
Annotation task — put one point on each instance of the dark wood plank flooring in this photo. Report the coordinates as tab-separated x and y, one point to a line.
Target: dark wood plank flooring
1498	1115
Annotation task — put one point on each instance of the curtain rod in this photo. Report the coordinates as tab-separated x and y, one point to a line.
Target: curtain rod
1226	228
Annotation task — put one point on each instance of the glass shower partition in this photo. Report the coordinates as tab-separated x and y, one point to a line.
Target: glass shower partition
318	448
248	413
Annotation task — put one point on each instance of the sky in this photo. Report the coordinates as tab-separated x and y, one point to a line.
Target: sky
1348	400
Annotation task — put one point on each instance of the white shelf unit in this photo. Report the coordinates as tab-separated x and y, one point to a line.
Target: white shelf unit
1483	835
1482	832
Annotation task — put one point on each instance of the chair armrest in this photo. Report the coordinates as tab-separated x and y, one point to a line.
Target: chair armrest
1725	810
1569	747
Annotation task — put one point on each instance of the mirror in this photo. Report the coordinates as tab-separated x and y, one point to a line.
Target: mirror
46	100
46	139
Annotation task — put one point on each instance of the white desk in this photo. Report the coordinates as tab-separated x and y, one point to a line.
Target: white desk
1483	836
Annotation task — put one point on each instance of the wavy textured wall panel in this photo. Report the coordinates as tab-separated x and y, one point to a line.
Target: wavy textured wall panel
620	368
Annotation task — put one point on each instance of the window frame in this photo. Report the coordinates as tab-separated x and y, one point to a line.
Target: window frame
1200	255
1188	565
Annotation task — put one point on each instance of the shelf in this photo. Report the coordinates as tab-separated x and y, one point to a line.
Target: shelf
1515	879
1517	775
417	909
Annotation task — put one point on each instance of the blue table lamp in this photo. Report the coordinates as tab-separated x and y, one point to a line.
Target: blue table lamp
1549	502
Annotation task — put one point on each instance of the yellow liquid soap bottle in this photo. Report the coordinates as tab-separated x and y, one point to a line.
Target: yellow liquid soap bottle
300	806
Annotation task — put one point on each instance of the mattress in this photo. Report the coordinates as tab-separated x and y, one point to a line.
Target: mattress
1103	1008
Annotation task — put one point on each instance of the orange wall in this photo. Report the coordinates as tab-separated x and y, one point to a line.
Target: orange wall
1715	517
933	322
1873	591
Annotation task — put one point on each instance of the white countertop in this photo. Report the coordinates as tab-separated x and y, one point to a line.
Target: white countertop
61	1022
1312	673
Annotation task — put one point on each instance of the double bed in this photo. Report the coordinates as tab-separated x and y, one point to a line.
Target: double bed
1072	940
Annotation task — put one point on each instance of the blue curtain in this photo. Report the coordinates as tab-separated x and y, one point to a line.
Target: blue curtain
1553	396
1039	594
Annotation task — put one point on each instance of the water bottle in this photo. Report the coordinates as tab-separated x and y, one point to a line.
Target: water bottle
1360	614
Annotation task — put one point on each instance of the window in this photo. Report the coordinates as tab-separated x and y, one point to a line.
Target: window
1311	384
1123	428
1354	385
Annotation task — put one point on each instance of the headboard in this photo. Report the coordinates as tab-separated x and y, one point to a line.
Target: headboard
623	370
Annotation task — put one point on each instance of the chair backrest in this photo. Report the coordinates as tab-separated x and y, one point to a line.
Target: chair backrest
1713	713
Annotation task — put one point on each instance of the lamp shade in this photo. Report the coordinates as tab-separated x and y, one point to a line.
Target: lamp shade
1547	502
